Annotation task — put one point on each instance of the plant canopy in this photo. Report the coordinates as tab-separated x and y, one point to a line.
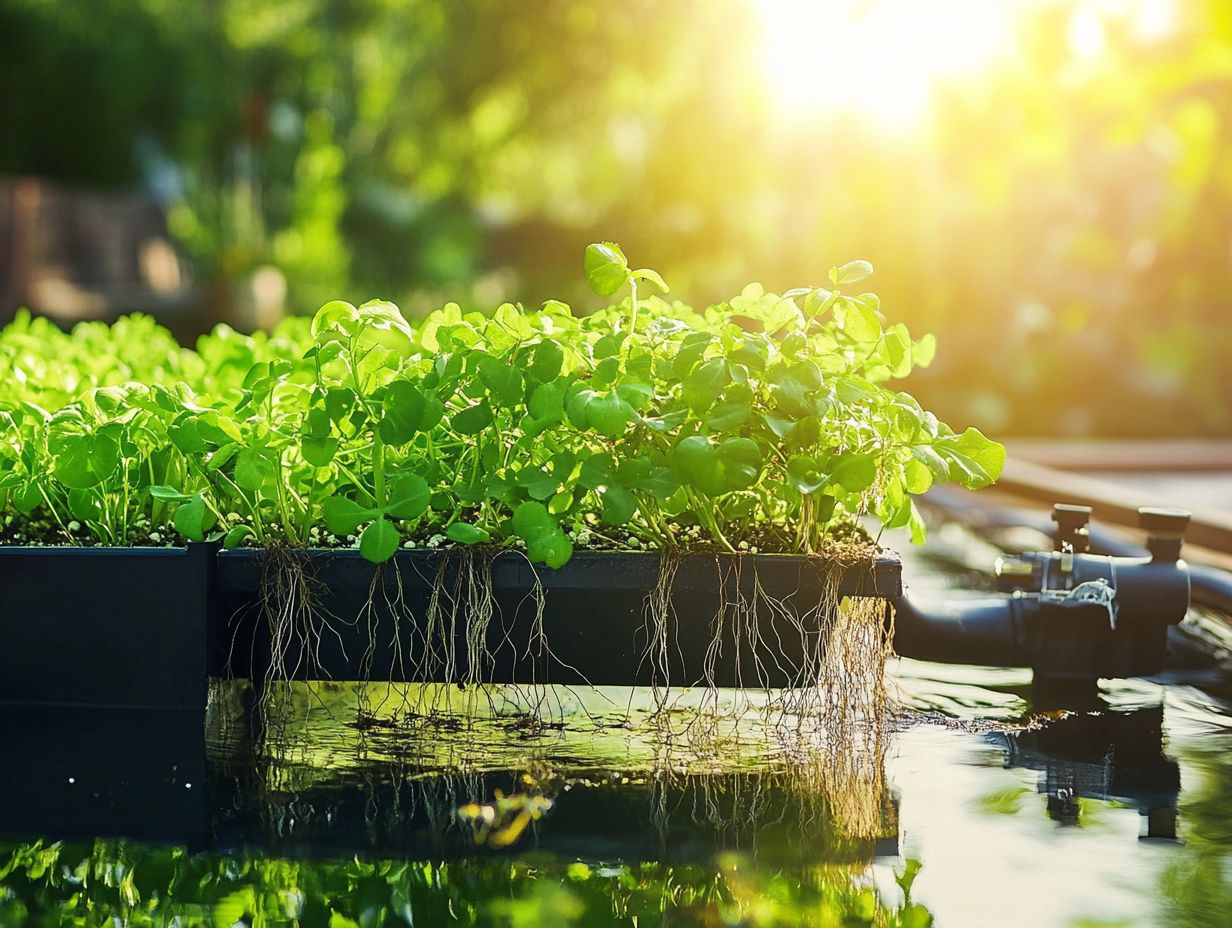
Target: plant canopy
764	422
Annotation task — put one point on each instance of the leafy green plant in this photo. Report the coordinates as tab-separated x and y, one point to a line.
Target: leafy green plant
769	422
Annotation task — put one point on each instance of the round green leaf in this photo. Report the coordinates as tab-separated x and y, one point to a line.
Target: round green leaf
192	519
379	541
335	318
860	322
545	542
404	411
854	472
473	419
236	535
804	474
850	273
547	361
318	451
252	469
84	461
607	269
503	381
409	497
382	324
610	415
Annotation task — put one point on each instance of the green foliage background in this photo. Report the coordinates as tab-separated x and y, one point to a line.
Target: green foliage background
1063	225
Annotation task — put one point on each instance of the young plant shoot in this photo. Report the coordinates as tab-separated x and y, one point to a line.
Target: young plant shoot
766	423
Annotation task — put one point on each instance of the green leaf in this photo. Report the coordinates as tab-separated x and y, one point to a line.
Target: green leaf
545	542
781	426
855	472
379	541
978	460
467	534
473	419
186	436
561	503
733	464
619	505
169	495
930	458
318	451
503	382
916	524
654	277
540	483
597	470
924	350
343	516
338	402
336	318
84	461
252	469
703	386
729	415
741	462
547	402
236	535
409	497
850	273
805	475
607	269
27	499
610	415
896	350
192	519
917	477
85	505
860	322
403	407
547	361
698	462
382	325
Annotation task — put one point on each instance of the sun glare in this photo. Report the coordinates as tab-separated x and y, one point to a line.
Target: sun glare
878	58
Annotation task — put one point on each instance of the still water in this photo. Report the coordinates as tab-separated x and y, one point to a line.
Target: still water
986	804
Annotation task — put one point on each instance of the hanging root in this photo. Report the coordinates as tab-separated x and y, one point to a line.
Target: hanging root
805	659
296	624
658	627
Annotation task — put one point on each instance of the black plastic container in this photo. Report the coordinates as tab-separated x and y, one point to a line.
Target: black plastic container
370	622
73	773
106	627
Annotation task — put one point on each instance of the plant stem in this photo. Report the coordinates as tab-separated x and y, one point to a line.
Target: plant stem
378	468
632	318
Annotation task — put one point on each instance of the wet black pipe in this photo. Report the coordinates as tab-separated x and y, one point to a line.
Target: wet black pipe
967	631
1120	630
1209	586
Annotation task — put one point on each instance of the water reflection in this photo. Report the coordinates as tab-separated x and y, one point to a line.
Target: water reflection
1105	756
318	825
139	886
335	822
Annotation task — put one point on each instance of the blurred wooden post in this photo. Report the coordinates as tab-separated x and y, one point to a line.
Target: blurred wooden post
84	254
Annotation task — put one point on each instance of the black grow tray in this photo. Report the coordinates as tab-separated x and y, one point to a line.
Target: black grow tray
147	627
113	627
593	617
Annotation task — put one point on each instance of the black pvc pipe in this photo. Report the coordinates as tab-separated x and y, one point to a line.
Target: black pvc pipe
966	631
1210	587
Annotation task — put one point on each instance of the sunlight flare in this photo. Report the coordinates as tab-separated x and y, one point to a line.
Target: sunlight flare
878	58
